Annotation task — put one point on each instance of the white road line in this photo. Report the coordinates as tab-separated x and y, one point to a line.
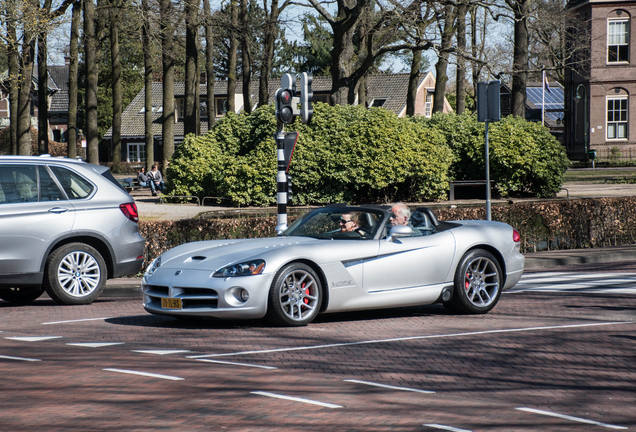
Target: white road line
567	417
446	428
296	399
146	374
161	352
236	364
95	344
78	320
388	386
449	335
19	358
33	338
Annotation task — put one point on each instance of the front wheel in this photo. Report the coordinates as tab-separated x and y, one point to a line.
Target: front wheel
22	295
295	296
75	274
478	282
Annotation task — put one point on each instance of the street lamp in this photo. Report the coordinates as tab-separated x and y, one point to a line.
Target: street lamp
577	98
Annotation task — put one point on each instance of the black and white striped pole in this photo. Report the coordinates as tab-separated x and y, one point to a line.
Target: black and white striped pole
287	100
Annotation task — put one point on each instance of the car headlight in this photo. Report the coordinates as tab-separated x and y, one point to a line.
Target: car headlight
247	268
153	266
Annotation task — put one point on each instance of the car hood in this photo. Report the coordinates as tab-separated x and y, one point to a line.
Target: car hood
216	254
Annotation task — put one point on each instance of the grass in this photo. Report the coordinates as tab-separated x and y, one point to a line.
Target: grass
598	175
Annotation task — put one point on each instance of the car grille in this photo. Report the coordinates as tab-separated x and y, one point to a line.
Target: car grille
191	297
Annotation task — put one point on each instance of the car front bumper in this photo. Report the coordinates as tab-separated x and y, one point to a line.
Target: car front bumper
198	293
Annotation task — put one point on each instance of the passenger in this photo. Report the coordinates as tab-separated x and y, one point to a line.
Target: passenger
400	214
142	178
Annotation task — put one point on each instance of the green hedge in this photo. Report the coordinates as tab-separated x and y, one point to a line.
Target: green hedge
347	153
357	155
525	159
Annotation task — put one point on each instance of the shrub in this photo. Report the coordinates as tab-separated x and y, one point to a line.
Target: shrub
347	153
525	159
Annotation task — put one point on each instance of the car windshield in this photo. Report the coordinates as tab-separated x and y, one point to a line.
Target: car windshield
337	223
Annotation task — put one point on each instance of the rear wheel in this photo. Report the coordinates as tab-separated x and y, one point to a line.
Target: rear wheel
21	296
295	296
75	274
478	281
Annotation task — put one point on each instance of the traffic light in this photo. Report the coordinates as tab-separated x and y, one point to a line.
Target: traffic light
289	189
284	99
306	97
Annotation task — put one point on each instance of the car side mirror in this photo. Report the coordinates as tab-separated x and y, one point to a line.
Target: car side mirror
399	231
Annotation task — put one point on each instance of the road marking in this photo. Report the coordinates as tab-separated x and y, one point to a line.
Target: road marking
161	352
146	374
78	320
95	344
297	399
446	428
616	283
19	358
567	417
237	364
407	338
388	386
33	338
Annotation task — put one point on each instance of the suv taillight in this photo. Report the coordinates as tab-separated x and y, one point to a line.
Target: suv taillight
130	211
516	237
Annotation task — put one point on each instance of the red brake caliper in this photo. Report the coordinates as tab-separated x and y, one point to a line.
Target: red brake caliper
306	292
467	283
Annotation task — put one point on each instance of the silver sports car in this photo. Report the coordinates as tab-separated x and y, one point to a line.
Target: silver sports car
335	259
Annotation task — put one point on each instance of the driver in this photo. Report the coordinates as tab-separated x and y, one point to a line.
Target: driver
349	224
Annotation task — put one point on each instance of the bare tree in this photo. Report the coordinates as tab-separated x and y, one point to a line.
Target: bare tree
460	88
72	81
521	10
447	25
115	7
11	40
209	63
231	73
29	35
192	8
246	62
148	70
269	39
92	71
167	45
43	78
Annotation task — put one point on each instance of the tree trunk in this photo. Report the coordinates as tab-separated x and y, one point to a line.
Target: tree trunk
14	72
167	41
71	130
148	69
116	80
441	78
341	63
43	94
414	76
245	59
268	54
209	64
231	69
460	89
92	70
26	84
521	9
191	67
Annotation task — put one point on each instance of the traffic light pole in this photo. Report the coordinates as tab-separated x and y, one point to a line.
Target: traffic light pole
281	179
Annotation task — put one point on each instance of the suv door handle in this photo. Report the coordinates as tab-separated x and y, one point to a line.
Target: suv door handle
58	210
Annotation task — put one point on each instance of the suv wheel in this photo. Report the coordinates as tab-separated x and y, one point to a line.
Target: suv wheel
75	274
22	295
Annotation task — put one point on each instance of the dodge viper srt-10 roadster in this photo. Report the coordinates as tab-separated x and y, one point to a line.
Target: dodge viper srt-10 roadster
338	258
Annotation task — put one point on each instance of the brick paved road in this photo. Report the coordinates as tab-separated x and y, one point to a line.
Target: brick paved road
559	353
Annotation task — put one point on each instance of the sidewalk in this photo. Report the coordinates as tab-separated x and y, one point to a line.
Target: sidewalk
537	261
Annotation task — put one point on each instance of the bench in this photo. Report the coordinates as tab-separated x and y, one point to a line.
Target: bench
481	194
128	185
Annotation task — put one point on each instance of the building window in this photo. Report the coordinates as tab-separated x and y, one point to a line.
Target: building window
617	118
617	40
428	106
180	108
136	152
221	106
378	102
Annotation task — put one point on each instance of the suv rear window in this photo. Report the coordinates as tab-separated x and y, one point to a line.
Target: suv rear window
75	186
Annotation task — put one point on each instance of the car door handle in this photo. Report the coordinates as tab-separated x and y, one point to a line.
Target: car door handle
58	210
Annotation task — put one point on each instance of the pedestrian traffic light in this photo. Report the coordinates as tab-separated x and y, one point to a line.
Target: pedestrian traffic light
289	189
284	99
306	97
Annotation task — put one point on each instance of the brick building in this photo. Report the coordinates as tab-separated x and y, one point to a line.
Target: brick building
600	91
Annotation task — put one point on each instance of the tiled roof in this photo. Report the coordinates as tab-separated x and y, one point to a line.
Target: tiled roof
392	87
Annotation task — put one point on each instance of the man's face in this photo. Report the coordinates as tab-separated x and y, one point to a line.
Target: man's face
346	224
396	217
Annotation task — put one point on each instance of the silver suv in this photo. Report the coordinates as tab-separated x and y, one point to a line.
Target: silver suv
65	227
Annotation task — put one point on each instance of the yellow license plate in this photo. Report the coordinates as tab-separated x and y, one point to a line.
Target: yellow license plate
171	303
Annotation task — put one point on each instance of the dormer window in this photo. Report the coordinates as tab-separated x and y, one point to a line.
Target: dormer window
618	40
378	102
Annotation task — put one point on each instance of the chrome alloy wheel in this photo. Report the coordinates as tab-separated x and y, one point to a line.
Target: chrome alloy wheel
298	295
481	281
78	274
